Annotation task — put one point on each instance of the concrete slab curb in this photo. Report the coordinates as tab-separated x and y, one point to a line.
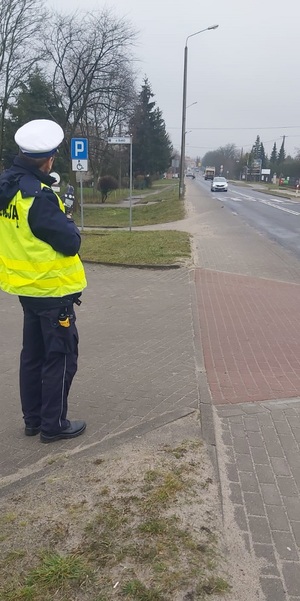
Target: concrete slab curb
9	484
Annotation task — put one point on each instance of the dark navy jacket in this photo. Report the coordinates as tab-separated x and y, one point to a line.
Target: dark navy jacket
46	220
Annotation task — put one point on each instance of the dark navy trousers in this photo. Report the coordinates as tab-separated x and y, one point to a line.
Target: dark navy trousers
48	364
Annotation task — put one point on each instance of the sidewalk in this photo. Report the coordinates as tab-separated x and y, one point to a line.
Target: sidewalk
248	311
222	337
248	292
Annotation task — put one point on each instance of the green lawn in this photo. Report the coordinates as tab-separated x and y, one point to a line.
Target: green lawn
136	248
91	195
167	208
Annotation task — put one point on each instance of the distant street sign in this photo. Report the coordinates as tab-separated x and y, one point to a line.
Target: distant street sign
256	166
79	165
119	140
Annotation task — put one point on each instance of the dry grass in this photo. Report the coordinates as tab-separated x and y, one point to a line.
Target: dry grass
131	527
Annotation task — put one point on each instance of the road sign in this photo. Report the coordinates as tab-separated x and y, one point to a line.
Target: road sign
119	140
79	148
56	177
55	187
79	165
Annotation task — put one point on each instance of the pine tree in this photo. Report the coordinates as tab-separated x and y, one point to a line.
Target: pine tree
256	148
262	156
35	100
274	156
152	148
281	154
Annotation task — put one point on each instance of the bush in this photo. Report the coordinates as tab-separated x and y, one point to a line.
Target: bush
107	184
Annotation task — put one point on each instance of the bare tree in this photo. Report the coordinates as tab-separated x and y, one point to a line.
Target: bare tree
108	115
89	54
21	27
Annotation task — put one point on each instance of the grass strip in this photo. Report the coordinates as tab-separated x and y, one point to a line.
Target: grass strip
166	208
136	248
92	195
127	534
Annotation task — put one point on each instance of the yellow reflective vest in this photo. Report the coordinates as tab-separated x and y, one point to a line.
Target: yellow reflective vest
29	266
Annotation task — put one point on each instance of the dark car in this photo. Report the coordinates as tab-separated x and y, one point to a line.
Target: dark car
190	175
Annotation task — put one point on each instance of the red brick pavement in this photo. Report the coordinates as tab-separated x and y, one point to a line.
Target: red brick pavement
250	331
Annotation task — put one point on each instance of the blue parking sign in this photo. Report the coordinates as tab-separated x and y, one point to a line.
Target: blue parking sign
79	148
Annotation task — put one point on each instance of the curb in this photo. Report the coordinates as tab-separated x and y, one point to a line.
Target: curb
130	266
43	468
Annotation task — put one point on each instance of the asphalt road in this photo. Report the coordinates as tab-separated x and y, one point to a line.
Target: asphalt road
277	218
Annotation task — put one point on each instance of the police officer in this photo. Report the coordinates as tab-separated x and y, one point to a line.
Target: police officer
39	262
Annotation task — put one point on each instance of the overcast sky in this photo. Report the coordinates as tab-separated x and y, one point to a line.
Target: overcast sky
244	75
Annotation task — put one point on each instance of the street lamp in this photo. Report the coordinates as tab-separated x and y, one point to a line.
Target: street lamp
184	107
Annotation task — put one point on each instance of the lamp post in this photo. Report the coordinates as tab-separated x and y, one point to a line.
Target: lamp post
184	107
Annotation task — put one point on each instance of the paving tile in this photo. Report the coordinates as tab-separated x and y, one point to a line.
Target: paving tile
285	546
296	433
232	472
288	443
226	437
240	517
235	493
296	532
296	475
273	589
237	430
287	487
244	463
292	505
248	482
251	424
277	518
241	445
292	457
265	419
291	574
270	494
255	439
280	466
246	539
259	529
266	552
273	447
264	474
260	456
254	504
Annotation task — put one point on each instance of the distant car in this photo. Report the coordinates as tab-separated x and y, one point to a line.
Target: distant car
219	184
190	175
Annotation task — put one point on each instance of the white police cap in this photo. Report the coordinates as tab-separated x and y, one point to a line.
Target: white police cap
39	138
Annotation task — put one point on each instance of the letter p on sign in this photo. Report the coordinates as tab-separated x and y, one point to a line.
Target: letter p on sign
79	148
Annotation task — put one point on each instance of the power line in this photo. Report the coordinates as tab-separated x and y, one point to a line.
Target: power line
241	128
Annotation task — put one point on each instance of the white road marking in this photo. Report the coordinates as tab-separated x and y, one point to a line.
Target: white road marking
247	196
276	206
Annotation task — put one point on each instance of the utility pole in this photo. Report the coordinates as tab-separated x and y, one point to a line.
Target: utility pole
120	159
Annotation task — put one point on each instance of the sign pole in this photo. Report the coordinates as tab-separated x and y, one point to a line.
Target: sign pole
81	201
79	156
125	140
130	186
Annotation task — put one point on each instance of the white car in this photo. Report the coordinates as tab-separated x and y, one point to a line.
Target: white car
219	184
